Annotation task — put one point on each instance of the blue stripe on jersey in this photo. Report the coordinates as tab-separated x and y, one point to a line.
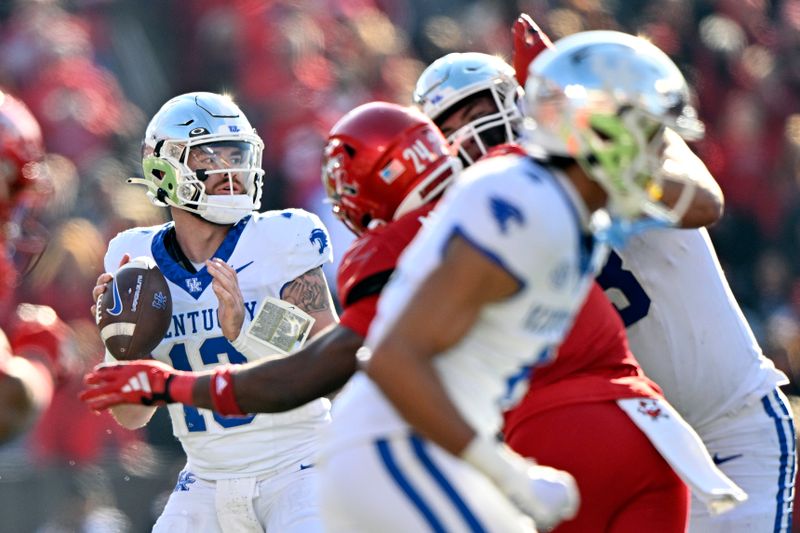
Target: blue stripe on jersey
193	283
422	454
783	440
459	232
402	482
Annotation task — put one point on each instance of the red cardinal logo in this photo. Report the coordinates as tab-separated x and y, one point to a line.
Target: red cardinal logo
652	409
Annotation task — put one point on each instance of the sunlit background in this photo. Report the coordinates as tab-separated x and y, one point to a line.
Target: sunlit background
94	71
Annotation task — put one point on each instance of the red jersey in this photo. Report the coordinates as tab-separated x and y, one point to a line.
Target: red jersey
367	265
594	363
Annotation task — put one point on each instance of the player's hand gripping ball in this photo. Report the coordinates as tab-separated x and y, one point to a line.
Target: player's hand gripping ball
135	310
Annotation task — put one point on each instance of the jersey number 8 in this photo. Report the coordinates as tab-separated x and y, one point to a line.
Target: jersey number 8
614	277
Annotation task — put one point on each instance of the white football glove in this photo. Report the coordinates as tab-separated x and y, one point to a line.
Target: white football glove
546	494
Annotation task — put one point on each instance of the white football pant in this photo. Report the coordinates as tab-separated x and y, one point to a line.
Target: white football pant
405	483
756	447
285	502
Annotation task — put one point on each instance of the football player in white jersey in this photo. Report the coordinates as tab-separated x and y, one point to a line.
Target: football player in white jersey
690	336
486	291
686	329
202	159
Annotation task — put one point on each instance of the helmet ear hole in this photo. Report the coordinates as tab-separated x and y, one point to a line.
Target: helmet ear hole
365	220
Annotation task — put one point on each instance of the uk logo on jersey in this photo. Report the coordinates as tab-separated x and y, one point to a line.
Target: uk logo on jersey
505	212
184	480
194	285
319	237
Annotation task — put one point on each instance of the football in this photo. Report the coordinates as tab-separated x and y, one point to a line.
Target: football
134	312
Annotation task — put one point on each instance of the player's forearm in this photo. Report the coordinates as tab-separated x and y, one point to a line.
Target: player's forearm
411	384
277	385
706	208
707	201
132	416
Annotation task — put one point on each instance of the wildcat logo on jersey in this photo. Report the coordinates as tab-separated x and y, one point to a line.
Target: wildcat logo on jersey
650	407
185	479
504	212
319	237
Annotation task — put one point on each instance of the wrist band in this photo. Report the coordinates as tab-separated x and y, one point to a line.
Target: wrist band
222	396
179	388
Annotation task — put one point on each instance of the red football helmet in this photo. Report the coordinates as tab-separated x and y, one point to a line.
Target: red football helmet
37	333
22	182
383	160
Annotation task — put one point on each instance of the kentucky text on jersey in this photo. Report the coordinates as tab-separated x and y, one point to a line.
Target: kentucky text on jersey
190	323
547	321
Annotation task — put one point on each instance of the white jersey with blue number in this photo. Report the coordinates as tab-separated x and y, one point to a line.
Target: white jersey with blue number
268	251
684	325
528	222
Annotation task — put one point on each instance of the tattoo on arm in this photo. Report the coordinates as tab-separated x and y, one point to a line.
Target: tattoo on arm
309	292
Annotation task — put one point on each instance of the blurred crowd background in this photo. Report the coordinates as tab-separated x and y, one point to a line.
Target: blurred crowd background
94	71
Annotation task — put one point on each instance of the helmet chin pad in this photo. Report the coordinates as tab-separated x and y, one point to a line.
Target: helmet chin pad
226	208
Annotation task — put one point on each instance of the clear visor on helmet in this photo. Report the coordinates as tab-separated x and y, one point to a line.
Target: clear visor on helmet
233	160
220	168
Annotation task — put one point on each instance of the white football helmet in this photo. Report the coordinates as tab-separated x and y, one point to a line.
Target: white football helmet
451	80
606	99
213	130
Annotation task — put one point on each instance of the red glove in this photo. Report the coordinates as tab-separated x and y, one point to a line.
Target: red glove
529	41
136	382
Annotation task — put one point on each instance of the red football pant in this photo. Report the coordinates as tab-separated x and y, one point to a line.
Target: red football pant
625	484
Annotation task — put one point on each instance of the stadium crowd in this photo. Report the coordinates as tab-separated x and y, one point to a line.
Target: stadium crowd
92	71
